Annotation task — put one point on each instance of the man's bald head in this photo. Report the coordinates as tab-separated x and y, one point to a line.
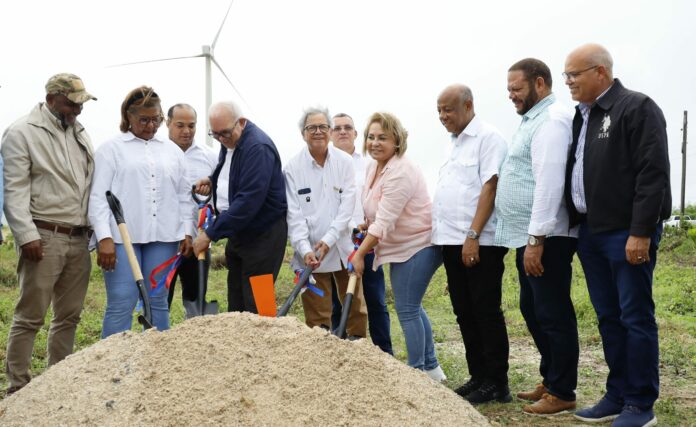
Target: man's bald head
588	72
455	106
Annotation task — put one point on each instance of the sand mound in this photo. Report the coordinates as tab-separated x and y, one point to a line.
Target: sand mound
234	369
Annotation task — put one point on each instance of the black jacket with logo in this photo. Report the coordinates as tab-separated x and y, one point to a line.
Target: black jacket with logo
626	164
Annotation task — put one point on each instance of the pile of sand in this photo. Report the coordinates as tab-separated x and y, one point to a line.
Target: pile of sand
234	369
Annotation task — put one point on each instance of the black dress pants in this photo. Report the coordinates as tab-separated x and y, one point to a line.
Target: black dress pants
253	256
476	295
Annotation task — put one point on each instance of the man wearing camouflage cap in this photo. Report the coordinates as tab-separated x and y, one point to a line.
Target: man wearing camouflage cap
48	165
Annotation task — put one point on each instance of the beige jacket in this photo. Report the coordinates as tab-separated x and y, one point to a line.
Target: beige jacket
47	176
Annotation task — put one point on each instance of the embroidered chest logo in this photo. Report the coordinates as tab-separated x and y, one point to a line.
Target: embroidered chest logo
604	131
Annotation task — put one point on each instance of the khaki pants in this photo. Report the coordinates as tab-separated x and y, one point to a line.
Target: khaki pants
60	279
317	309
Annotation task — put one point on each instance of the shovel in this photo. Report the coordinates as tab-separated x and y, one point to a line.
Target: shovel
340	331
144	319
304	278
201	306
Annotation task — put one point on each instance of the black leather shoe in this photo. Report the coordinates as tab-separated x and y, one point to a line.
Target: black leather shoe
488	392
468	387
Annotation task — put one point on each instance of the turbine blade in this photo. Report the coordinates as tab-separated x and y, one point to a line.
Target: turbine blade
228	80
154	60
212	46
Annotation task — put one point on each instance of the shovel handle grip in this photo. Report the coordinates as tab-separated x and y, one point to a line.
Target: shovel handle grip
198	199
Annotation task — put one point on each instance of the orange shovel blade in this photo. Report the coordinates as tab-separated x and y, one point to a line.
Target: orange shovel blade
264	294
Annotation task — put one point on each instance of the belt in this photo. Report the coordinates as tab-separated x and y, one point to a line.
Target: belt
70	231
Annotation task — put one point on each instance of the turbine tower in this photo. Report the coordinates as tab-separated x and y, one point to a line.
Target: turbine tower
208	54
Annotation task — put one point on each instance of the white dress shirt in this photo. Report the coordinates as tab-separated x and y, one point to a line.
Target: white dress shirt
200	163
475	157
549	150
149	178
321	201
360	168
222	199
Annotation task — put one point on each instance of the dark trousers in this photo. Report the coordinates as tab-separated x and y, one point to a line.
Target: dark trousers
548	311
476	295
253	256
377	313
188	273
621	294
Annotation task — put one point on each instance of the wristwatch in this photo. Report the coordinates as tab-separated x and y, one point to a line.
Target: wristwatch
471	234
533	241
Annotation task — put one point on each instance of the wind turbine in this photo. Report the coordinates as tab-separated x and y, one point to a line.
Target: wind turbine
208	54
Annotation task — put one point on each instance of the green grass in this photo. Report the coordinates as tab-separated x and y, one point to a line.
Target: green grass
674	293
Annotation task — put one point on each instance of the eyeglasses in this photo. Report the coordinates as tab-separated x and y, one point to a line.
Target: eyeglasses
572	75
144	121
225	133
347	128
314	128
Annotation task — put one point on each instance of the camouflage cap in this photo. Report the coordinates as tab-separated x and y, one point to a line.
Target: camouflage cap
69	85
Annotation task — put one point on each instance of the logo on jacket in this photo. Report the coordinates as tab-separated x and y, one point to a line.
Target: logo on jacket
604	131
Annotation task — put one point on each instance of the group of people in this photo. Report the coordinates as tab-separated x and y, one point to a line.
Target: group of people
595	182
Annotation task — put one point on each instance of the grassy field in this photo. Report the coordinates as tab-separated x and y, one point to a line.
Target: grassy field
674	293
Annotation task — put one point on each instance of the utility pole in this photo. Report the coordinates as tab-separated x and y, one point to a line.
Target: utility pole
683	186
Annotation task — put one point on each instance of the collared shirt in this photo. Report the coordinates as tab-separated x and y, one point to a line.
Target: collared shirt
398	210
577	187
149	178
200	162
359	166
47	173
529	200
321	200
475	157
223	187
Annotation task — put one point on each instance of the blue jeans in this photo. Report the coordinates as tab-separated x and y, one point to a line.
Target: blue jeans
122	293
377	313
621	294
409	281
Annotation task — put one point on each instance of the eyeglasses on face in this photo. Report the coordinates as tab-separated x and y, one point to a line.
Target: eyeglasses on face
314	128
225	133
572	75
144	121
347	128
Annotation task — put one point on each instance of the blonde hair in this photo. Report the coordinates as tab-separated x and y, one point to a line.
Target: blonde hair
392	127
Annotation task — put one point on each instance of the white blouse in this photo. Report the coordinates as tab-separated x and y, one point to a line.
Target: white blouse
149	178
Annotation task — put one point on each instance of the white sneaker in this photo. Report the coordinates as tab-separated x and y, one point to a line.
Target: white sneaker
436	374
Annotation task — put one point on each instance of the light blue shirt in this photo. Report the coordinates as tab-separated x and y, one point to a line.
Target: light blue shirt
529	198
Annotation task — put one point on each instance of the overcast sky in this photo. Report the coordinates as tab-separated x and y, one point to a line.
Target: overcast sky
355	56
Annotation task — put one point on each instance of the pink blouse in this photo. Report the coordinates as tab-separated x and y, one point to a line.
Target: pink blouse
398	210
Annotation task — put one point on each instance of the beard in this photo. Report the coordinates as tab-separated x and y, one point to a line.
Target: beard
530	101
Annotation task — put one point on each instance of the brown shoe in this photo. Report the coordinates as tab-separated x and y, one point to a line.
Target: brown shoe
549	405
535	395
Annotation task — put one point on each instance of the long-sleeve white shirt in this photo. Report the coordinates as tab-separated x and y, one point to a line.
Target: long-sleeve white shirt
549	150
200	163
321	201
149	178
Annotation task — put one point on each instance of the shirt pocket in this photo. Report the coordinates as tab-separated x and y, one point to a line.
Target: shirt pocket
468	172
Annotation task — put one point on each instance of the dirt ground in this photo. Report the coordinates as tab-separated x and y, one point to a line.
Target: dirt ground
234	369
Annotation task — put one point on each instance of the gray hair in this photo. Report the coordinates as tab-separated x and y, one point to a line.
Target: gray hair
312	111
227	107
